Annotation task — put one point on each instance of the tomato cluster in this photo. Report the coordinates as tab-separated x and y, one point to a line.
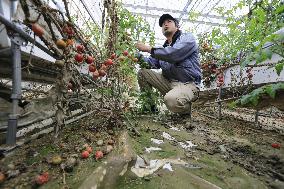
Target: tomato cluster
88	150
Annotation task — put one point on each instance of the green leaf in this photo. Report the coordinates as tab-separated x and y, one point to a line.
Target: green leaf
233	105
258	57
253	97
268	53
279	68
261	15
246	62
279	9
245	100
254	100
272	89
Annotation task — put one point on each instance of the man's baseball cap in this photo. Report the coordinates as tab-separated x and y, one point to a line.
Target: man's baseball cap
165	17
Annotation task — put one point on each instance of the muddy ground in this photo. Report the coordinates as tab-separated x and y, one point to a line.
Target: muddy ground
229	154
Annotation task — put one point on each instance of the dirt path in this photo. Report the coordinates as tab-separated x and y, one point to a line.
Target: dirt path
230	153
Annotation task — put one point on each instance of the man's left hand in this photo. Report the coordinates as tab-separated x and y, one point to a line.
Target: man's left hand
142	47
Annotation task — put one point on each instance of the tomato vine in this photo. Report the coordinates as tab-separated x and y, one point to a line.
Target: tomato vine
244	40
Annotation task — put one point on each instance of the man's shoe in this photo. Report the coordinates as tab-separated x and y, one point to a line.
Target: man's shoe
180	117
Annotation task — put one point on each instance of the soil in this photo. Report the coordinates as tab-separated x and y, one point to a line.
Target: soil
229	154
35	158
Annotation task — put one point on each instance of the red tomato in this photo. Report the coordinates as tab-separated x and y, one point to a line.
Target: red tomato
37	29
109	62
99	154
70	31
275	145
41	179
113	56
45	174
249	70
92	68
220	80
96	74
89	149
125	53
250	75
85	154
102	72
80	48
79	57
89	59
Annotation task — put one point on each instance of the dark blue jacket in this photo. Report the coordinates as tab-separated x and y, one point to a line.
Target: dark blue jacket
178	60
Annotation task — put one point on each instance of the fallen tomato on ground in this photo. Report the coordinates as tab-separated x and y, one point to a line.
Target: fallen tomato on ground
85	154
89	149
275	145
42	179
99	154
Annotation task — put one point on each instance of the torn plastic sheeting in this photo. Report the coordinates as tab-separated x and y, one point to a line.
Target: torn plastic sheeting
157	141
168	166
150	149
142	170
167	136
188	145
175	128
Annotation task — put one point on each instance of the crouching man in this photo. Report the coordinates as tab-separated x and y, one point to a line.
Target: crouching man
179	61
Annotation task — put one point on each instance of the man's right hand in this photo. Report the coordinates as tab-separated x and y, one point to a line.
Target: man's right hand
142	47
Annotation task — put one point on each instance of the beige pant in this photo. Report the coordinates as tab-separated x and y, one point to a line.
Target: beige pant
177	96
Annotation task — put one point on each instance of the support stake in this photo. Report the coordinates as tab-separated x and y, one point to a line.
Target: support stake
219	104
256	118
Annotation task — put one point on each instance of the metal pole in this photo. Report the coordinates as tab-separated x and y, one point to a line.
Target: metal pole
17	76
16	94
